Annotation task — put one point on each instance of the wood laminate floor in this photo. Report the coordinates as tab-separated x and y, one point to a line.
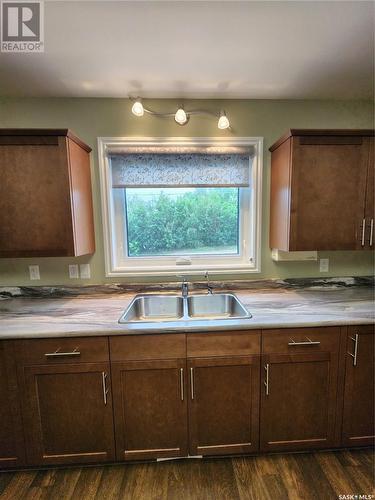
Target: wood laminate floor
318	476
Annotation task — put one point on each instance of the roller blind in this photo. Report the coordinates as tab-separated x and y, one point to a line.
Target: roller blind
185	166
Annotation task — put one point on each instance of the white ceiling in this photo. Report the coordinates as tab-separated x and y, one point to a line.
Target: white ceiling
202	49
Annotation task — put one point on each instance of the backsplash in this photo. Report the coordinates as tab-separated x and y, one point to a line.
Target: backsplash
114	289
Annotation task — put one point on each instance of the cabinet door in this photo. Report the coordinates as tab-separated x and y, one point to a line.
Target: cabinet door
298	401
223	405
35	212
11	432
328	192
68	413
358	417
150	409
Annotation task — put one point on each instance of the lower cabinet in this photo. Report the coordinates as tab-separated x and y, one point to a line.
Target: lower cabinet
223	405
67	405
137	397
299	389
359	387
12	449
150	409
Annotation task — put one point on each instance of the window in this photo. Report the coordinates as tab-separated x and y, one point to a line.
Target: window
175	207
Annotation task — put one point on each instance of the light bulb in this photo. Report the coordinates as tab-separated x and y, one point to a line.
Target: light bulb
180	116
223	122
137	108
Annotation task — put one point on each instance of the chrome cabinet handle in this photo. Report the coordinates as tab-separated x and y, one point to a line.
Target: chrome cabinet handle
304	342
58	353
363	232
267	381
182	383
354	355
371	232
105	389
192	382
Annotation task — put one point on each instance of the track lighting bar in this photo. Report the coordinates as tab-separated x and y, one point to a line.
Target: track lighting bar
181	116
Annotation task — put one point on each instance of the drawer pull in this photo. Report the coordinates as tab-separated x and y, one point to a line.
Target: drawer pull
105	390
61	354
304	342
355	354
267	381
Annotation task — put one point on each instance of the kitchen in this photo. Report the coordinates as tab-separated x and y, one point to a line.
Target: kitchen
186	252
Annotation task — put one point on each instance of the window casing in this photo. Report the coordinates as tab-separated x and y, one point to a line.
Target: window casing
122	262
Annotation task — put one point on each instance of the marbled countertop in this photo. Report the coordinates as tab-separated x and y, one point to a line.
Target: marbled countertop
98	314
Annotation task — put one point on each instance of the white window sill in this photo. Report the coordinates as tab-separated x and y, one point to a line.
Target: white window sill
180	270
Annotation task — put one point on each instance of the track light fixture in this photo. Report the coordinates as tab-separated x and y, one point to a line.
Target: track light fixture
137	108
181	116
223	122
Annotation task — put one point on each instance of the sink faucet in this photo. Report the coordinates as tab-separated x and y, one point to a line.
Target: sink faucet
209	287
184	286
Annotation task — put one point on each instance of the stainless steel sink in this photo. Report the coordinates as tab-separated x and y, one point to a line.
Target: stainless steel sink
177	312
154	308
220	306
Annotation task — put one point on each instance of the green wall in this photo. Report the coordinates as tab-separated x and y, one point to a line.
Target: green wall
92	118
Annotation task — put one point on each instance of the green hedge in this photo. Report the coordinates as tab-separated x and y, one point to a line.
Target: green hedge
204	218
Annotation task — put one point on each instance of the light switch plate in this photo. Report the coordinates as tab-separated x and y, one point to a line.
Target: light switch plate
85	271
324	265
34	272
73	271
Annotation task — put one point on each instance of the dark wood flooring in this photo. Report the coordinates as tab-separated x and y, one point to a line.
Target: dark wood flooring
304	476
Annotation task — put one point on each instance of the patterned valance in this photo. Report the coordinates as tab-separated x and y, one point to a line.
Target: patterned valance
187	166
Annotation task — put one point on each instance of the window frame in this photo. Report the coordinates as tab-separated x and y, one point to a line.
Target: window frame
225	264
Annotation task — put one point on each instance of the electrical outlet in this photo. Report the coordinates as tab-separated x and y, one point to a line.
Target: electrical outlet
73	271
34	272
85	271
324	265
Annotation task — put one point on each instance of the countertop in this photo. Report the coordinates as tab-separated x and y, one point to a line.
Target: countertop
98	314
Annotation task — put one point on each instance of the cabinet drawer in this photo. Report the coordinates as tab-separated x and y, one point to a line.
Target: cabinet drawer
223	344
139	347
63	350
295	340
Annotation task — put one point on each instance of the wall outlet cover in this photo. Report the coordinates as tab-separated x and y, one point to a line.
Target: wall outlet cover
85	271
324	265
34	272
73	271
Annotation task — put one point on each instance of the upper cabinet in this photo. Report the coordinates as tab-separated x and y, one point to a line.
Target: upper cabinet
322	193
45	194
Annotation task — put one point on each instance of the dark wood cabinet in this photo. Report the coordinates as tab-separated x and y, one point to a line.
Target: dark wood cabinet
358	413
150	399
150	409
12	449
321	190
45	194
223	372
299	388
223	405
137	397
67	401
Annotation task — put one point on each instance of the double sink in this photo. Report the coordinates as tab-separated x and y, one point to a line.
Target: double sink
175	312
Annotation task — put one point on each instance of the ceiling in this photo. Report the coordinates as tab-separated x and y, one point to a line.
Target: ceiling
199	49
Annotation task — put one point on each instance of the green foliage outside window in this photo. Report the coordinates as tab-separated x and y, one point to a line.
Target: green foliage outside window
197	220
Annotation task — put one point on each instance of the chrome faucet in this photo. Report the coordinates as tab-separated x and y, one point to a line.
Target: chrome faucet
184	287
209	287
